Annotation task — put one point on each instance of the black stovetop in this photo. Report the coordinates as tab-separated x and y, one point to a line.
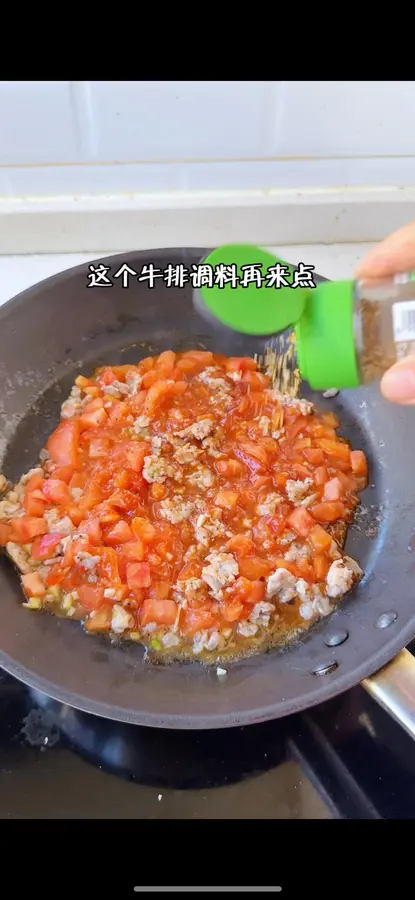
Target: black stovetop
342	759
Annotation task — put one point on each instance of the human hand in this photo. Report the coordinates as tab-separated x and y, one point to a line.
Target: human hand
395	254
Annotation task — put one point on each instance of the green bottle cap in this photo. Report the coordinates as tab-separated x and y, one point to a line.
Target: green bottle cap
325	338
321	316
246	306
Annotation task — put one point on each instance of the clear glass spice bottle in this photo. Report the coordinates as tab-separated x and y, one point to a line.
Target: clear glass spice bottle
347	333
351	332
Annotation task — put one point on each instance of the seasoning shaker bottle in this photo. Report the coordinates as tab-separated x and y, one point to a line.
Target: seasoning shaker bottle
347	333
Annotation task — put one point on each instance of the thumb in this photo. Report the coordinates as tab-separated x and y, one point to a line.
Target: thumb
398	383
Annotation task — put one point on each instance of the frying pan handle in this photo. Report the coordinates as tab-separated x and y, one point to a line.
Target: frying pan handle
393	687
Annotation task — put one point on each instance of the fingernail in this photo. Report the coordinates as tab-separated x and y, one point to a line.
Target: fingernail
398	384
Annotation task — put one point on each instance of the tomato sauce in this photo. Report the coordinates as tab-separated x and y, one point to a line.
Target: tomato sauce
185	504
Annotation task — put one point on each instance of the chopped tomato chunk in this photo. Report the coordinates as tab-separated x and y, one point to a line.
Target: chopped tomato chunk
320	539
301	521
162	612
119	533
91	596
63	443
358	463
333	489
44	546
5	532
195	620
26	528
33	585
138	575
56	492
328	511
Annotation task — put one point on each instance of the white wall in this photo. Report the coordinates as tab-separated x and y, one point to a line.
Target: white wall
80	138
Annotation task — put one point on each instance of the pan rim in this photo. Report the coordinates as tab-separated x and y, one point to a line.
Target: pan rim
327	686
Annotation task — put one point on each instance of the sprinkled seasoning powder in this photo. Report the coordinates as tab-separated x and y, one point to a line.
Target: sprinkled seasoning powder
279	362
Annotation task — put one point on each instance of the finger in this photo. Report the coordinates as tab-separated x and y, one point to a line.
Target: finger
395	254
398	383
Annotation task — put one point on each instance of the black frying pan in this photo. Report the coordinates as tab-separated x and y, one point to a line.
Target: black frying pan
59	328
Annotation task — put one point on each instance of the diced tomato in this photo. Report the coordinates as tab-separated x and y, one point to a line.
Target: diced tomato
328	511
241	545
57	574
280	479
247	591
348	481
226	499
231	468
314	456
320	539
26	528
93	419
5	532
163	612
321	566
57	492
143	529
122	500
99	448
195	620
34	484
44	546
253	455
75	514
321	475
302	443
254	567
161	390
335	449
101	620
133	549
82	382
231	611
108	566
106	376
63	473
304	569
34	506
63	443
138	575
301	521
255	379
165	363
333	489
93	392
358	463
91	596
158	491
92	528
240	364
119	533
33	585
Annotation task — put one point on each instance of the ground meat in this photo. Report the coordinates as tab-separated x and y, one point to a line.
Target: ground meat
198	430
297	490
341	576
188	453
282	585
175	510
201	477
156	469
221	571
267	507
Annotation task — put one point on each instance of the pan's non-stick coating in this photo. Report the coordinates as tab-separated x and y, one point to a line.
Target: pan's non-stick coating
61	327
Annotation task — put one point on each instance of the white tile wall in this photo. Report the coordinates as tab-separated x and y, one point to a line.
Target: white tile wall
72	138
